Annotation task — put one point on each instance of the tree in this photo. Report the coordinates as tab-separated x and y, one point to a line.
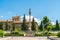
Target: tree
1	33
57	25
45	22
53	27
1	26
13	27
6	28
24	27
48	30
41	26
33	25
36	27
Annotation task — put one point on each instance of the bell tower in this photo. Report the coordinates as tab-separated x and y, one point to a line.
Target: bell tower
16	18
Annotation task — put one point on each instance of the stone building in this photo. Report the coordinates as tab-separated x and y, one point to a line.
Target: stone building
15	22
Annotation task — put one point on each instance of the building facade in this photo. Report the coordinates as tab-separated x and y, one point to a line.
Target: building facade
11	24
15	22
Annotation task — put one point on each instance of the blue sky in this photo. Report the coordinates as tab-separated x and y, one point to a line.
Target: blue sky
40	8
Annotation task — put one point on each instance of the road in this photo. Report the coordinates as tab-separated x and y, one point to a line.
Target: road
24	38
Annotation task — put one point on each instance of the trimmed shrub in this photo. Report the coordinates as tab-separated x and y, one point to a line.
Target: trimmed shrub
22	35
7	34
58	34
53	34
47	33
37	34
15	33
1	33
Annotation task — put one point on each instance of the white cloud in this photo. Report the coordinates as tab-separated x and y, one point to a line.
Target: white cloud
38	20
1	16
27	18
53	23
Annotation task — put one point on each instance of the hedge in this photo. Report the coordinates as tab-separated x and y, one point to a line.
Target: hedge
1	33
37	34
9	34
58	34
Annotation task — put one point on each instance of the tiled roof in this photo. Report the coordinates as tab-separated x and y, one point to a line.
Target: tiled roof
3	20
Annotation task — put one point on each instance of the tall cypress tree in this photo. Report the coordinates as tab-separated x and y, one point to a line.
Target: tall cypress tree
57	25
6	28
24	27
33	25
41	26
13	27
1	25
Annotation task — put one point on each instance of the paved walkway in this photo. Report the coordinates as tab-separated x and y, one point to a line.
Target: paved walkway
23	38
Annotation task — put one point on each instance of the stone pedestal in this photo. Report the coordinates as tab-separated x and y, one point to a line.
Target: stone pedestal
29	34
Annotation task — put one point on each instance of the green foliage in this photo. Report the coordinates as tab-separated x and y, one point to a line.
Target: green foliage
22	34
1	33
53	34
49	28
17	33
24	26
14	34
41	26
50	34
45	21
7	34
34	25
17	29
6	28
37	34
53	27
1	24
13	27
57	25
46	33
58	34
